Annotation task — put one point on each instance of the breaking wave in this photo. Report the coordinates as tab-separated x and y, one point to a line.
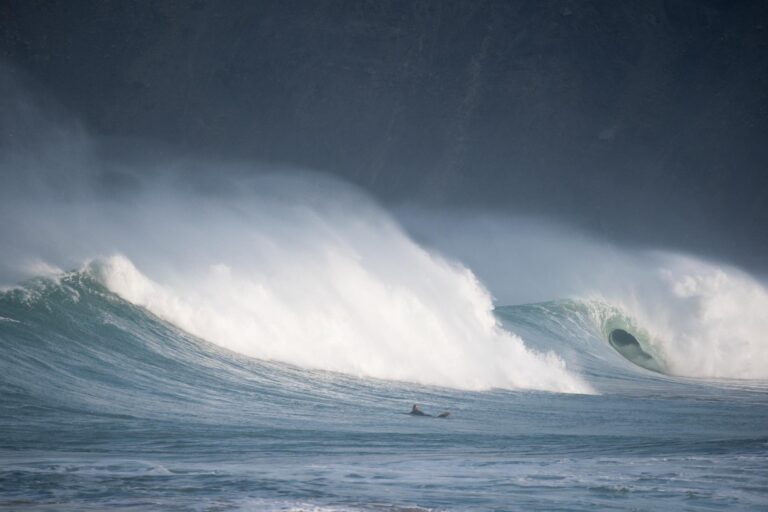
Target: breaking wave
693	318
304	270
423	320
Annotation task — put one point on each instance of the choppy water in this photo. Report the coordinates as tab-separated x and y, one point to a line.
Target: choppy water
105	406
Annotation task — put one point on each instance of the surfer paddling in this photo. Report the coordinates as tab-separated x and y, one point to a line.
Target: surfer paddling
416	411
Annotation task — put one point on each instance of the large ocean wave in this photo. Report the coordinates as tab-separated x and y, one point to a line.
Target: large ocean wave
304	270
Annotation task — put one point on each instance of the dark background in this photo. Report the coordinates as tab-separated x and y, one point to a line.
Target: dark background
644	122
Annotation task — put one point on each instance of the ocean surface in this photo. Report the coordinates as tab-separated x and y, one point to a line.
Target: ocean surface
105	406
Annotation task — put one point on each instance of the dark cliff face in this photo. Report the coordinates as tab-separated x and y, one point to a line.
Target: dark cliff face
643	121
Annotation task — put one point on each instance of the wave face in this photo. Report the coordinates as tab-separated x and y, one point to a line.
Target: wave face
74	333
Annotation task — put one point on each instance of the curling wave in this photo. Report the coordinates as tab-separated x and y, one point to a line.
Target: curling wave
690	318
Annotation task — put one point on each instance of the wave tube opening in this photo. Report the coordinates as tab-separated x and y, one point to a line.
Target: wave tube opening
629	347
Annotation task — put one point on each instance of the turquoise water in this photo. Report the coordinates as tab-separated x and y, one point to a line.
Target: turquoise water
105	406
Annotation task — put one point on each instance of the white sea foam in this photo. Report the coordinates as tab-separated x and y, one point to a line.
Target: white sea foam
342	290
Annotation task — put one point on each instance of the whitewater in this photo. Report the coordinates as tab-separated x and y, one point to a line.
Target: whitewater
255	343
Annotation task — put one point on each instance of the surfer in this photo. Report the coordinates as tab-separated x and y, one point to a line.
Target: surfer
416	411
